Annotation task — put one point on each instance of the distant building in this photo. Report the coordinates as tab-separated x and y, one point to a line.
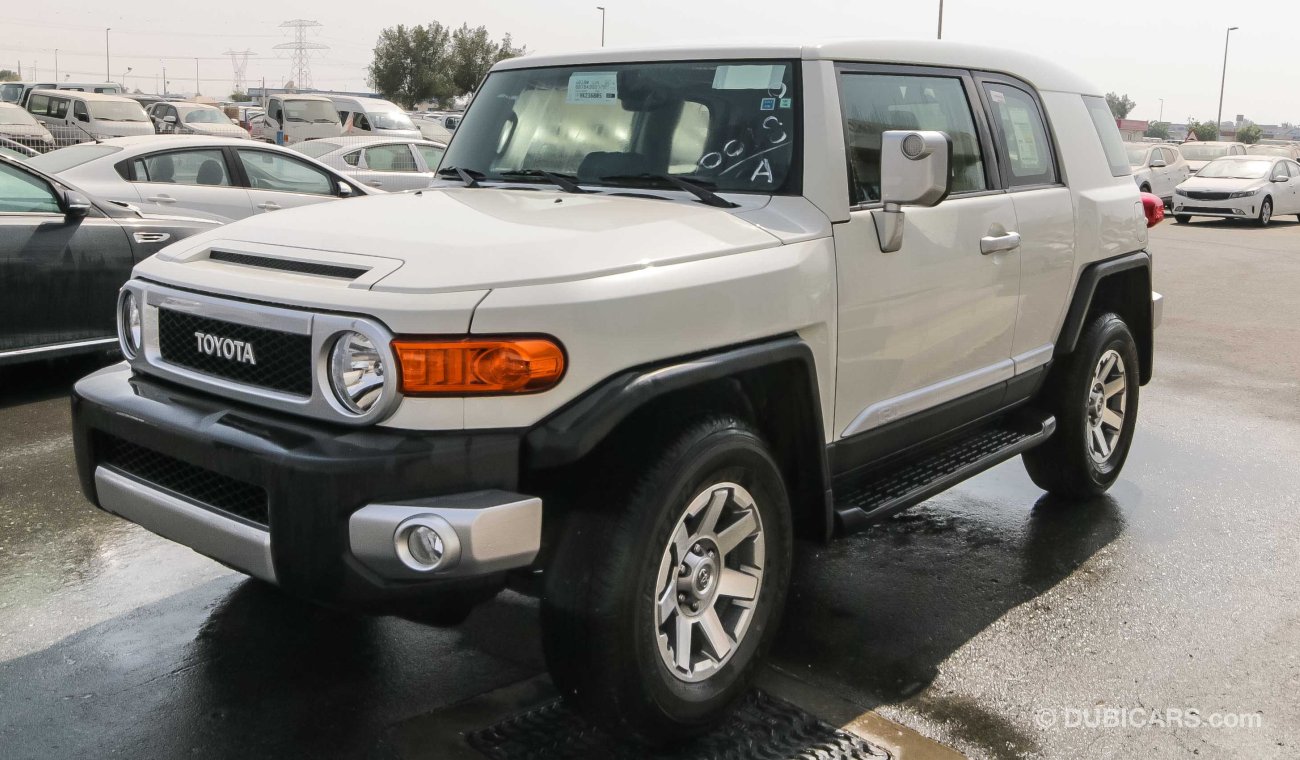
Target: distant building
1177	132
1132	130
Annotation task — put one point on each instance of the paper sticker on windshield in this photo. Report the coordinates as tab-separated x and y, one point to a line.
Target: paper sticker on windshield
749	77
787	102
593	87
1026	143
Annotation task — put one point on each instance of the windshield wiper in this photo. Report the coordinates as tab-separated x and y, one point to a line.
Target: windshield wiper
469	176
565	182
696	188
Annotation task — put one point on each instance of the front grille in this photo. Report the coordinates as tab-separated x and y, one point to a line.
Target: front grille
281	361
217	492
1205	195
1205	210
289	265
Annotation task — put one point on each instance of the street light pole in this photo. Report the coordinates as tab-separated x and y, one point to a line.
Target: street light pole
1161	117
601	8
108	70
940	19
197	88
1218	122
56	65
129	69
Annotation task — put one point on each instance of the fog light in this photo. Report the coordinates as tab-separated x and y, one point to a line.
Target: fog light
130	330
425	545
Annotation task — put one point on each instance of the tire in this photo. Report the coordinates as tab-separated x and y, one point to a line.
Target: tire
1265	213
1145	188
1183	218
1074	463
611	615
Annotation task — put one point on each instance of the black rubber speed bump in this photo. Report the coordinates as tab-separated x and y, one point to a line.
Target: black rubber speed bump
761	727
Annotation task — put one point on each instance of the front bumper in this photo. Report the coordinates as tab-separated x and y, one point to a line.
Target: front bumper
1234	208
300	504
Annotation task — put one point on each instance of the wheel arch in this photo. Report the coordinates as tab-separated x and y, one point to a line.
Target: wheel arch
771	384
1121	285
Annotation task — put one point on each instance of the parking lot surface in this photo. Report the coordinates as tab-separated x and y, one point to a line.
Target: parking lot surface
991	618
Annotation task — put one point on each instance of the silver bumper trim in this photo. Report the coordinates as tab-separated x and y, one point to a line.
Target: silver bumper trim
491	530
1157	309
240	546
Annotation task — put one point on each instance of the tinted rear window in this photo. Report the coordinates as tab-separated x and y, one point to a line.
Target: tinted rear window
1108	133
66	158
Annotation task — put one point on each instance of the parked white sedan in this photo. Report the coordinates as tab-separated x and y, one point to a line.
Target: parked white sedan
391	164
218	176
1157	168
1241	187
194	119
21	127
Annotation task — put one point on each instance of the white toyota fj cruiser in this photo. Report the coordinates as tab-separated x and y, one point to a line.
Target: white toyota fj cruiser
666	311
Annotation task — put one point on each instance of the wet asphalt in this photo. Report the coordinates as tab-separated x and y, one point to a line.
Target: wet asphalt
991	618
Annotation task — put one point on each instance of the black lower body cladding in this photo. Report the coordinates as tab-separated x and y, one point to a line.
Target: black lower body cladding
314	476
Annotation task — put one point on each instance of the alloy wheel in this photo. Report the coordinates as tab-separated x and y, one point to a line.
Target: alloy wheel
1107	401
709	581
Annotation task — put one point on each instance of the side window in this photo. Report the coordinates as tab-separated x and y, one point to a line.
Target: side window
360	121
1294	168
1112	144
79	111
1171	156
390	158
275	112
272	171
353	158
688	139
184	167
22	193
59	108
432	155
876	103
1022	135
39	104
343	117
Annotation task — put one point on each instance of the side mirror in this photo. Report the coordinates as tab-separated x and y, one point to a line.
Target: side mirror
75	204
169	119
83	117
914	171
345	190
1158	163
1282	178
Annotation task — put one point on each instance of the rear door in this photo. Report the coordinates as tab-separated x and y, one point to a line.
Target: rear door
392	167
59	275
933	321
1044	208
275	180
198	179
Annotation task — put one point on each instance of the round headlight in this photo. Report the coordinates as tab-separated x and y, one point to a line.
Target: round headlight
356	372
129	325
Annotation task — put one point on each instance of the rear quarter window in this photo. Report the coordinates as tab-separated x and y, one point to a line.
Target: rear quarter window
1108	132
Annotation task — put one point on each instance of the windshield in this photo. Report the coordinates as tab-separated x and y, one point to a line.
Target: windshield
206	116
316	148
116	110
1194	152
310	111
74	155
1235	169
10	115
10	92
1269	150
1137	156
391	120
728	126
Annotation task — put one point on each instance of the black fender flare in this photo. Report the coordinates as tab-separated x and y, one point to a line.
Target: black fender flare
1085	291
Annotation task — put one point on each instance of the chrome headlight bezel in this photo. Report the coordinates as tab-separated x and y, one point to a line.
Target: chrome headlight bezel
130	324
1244	193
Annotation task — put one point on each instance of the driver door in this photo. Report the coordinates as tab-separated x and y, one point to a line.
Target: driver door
934	321
277	181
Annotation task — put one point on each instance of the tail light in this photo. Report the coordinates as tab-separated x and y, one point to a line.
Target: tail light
473	366
1154	208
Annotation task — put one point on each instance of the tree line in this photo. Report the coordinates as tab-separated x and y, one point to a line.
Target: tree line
414	64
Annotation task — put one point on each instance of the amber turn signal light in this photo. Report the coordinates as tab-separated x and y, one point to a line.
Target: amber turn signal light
469	366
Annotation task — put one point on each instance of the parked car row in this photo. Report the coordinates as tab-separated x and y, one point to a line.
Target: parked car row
1257	187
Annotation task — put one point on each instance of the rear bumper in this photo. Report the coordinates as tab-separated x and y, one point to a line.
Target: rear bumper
311	507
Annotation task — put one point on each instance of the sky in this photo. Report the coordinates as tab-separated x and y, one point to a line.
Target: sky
1173	51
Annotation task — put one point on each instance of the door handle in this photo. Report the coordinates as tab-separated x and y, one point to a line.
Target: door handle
375	183
268	206
160	198
999	243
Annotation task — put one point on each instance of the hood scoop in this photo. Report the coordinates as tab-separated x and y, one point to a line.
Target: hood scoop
297	266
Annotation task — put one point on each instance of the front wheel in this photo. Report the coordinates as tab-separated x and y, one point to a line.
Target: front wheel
664	591
1265	213
1094	394
1183	218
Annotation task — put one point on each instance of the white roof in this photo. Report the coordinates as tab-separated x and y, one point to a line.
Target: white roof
348	141
87	96
1043	74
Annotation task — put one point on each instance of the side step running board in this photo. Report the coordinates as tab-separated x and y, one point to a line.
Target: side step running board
860	500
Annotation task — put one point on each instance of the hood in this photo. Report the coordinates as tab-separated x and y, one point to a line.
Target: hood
1195	166
1220	185
462	239
296	131
103	128
26	130
217	130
